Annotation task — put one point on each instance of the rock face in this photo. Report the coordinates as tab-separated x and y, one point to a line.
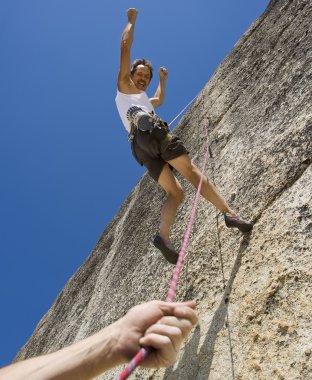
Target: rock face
254	291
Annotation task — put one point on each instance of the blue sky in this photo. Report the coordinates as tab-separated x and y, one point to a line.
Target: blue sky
65	162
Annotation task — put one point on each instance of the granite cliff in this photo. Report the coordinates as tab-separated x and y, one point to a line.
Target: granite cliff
254	291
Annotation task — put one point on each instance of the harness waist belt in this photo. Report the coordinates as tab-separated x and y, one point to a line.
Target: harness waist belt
146	122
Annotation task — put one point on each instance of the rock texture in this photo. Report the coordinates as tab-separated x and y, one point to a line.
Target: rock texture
254	291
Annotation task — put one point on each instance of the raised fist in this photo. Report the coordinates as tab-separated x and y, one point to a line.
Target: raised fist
132	14
163	73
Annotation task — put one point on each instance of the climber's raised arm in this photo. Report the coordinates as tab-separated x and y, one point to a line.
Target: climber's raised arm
125	83
160	93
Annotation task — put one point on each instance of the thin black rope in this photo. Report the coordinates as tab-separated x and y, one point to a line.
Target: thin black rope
226	300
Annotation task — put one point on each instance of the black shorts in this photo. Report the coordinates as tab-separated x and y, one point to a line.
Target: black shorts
149	152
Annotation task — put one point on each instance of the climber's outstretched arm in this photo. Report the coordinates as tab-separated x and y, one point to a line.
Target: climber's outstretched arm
160	325
124	80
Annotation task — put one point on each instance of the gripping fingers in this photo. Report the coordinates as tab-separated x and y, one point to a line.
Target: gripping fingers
186	313
174	333
166	341
185	325
163	354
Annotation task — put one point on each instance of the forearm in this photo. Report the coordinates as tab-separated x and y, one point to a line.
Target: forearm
160	92
127	35
146	324
81	361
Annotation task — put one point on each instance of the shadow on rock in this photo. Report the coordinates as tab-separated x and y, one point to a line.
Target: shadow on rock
198	366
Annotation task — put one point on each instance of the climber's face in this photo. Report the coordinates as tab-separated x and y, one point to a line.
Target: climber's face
141	77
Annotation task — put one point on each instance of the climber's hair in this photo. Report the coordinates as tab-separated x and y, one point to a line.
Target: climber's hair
141	61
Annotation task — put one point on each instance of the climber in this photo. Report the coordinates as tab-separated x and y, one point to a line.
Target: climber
154	147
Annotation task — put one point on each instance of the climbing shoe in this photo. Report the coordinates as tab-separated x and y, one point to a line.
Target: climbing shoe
166	249
238	222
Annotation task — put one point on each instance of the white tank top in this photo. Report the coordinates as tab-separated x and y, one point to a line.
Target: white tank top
126	101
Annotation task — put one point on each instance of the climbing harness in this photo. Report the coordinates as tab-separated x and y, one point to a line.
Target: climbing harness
142	121
146	122
144	352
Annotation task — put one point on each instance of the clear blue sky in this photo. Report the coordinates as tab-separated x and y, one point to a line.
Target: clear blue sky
65	162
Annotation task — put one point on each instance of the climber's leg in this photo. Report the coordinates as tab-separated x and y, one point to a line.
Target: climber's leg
185	166
174	198
168	211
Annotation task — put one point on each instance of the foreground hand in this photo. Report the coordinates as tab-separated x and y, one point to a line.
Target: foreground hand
132	14
160	325
163	73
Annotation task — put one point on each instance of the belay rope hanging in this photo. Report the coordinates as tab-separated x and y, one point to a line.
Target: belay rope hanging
143	352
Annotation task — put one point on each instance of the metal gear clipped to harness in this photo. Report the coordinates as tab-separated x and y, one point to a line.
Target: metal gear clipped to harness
147	122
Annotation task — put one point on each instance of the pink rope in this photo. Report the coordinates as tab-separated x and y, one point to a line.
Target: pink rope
144	351
176	274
